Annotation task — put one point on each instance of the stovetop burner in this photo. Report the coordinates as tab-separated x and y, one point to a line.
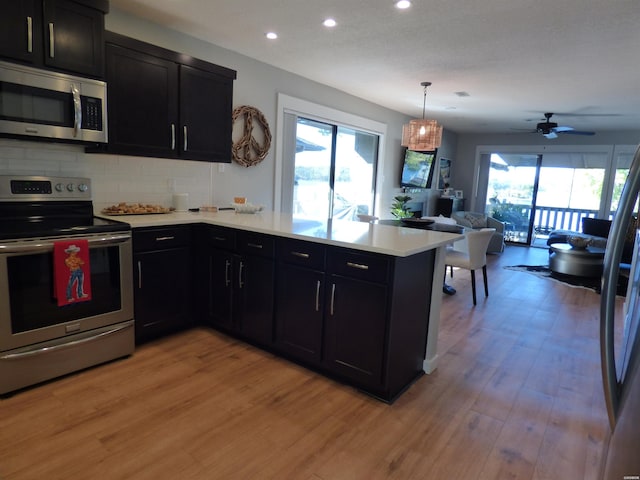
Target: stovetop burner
33	207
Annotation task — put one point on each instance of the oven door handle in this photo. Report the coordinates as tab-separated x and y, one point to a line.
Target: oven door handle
73	343
47	246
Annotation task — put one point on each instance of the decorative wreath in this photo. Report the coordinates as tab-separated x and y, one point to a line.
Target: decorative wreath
246	150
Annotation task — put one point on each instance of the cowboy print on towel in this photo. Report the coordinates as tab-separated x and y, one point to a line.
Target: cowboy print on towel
71	271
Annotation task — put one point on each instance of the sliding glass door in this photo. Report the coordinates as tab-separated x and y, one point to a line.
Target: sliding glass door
334	171
536	193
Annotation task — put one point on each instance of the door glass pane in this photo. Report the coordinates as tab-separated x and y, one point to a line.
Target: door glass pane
354	173
334	171
311	190
510	193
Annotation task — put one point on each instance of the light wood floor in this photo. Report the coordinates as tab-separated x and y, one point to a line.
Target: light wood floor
517	396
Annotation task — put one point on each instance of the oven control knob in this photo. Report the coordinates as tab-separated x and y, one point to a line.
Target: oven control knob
83	187
70	187
59	187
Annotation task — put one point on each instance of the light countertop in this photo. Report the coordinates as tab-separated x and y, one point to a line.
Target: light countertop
385	239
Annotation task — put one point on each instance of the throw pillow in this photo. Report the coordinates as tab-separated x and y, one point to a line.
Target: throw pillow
476	220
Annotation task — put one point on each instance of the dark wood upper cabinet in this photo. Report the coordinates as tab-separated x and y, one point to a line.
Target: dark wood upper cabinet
62	35
164	104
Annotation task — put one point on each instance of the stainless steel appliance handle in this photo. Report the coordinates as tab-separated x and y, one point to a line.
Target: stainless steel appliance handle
77	110
52	48
35	246
43	350
612	256
30	34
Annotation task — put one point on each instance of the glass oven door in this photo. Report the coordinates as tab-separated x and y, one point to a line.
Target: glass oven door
29	311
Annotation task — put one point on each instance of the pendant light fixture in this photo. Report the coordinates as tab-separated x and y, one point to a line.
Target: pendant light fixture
422	134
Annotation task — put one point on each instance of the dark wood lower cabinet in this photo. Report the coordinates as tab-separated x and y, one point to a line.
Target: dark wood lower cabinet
162	281
355	329
358	317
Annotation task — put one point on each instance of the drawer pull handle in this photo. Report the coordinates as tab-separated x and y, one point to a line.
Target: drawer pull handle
162	239
333	297
359	266
240	272
227	277
30	34
220	239
254	245
300	254
318	296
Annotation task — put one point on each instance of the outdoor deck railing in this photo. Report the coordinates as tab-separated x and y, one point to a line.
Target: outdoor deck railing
547	219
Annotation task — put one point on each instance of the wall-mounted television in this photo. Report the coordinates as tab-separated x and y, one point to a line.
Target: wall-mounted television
417	168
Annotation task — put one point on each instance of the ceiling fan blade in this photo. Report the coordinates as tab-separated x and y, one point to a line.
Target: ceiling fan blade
577	132
550	135
562	129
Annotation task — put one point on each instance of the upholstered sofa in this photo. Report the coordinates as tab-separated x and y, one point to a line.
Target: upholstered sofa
597	230
477	221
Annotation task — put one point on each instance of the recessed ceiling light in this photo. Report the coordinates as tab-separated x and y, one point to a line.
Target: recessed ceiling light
402	4
329	22
271	35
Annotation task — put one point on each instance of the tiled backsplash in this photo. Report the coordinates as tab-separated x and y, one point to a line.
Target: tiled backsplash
114	178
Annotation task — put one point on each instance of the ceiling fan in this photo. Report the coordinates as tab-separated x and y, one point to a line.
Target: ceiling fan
551	129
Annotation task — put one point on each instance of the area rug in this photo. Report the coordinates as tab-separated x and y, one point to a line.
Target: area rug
543	271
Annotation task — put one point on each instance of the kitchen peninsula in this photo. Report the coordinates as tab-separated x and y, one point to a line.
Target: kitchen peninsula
353	300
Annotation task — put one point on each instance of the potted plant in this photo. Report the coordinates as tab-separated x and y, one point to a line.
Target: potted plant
399	208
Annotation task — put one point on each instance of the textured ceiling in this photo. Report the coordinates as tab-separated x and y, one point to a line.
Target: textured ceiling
516	59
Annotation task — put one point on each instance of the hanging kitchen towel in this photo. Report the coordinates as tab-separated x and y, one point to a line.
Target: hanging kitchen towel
72	277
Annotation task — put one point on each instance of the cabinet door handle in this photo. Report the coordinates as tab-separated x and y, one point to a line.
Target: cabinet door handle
162	239
173	136
52	41
240	271
300	254
139	274
227	277
333	297
254	245
359	266
318	296
184	138
30	34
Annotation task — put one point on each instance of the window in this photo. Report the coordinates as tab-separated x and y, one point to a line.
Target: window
330	162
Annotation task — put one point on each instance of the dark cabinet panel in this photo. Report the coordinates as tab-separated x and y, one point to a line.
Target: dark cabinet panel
235	289
162	281
300	312
446	206
205	115
143	103
57	34
355	329
74	37
163	104
21	30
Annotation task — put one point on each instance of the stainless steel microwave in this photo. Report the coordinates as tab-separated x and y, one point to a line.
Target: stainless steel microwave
44	104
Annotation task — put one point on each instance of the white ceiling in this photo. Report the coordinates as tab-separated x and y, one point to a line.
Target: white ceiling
515	58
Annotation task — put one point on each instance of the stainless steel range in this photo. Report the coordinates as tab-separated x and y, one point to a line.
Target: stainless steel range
41	337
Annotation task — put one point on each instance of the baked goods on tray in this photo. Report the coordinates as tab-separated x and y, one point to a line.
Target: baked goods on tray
123	208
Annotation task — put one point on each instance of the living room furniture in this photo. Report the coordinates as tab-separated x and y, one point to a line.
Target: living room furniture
447	205
476	221
470	253
580	262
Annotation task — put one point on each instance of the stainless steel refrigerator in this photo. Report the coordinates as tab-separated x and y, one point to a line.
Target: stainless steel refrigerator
621	355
